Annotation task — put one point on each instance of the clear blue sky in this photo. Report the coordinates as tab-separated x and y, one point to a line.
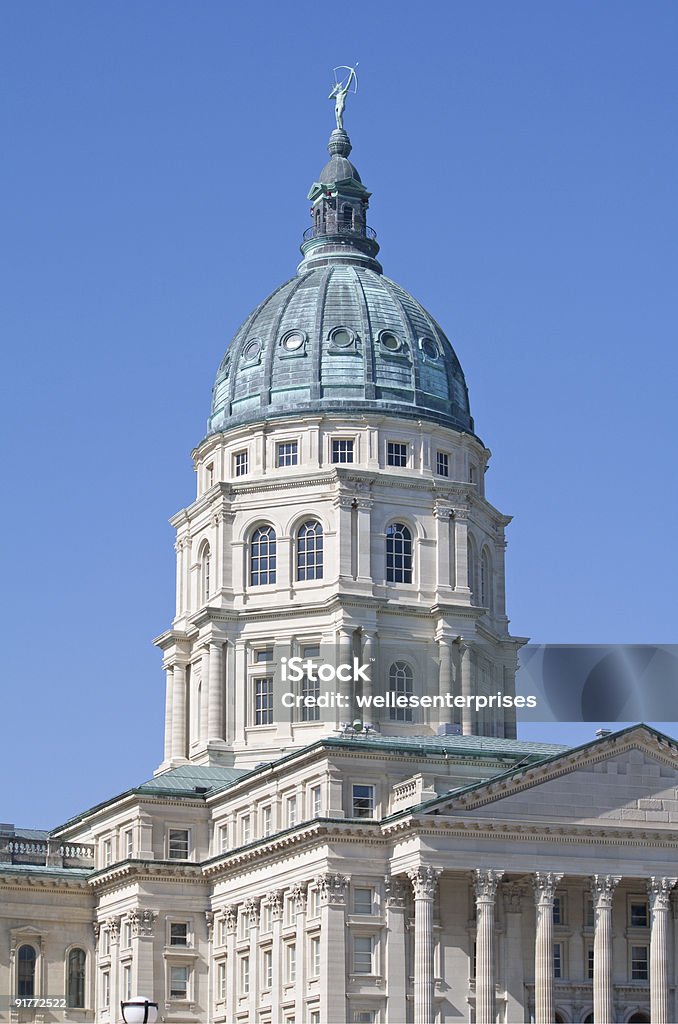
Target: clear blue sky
156	162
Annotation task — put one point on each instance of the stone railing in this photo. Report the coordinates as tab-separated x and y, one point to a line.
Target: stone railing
48	852
409	792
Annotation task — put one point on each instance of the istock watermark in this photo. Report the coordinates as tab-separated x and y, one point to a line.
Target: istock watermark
293	670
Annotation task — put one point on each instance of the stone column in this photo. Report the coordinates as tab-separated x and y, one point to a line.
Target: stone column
364	512
602	890
179	712
332	893
659	893
169	687
513	945
215	705
205	679
545	884
299	896
345	657
231	915
367	654
461	551
275	900
252	911
424	881
485	885
143	924
466	669
396	959
445	678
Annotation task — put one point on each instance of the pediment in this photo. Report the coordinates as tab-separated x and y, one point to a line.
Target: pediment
631	780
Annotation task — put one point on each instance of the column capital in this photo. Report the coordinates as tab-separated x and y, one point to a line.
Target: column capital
113	925
394	893
441	510
461	514
512	893
424	881
299	893
602	890
545	884
659	892
274	899
142	922
251	908
230	914
485	884
332	889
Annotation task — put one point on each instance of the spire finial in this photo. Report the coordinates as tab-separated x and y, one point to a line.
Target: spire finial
341	89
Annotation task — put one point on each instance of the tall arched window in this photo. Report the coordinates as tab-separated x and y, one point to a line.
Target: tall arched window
310	551
76	978
205	572
400	682
485	580
26	971
398	554
262	556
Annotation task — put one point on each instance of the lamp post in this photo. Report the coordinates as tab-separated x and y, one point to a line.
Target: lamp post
139	1011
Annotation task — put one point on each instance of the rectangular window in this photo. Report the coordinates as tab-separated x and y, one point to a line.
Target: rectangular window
472	474
245	829
129	843
287	453
267	979
106	989
241	463
127	935
342	450
442	464
221	981
363	1017
221	932
266	821
558	911
178	982
126	984
314	1017
589	964
638	915
264	656
266	917
105	942
639	963
107	852
178	934
263	701
310	691
362	901
557	960
291	963
178	844
396	453
362	954
312	901
588	912
291	811
243	922
316	801
244	975
315	956
311	651
363	801
223	838
209	475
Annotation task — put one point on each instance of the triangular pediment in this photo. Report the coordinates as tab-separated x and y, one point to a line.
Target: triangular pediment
630	778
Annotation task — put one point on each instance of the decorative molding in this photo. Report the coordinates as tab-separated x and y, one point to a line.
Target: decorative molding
485	884
252	909
602	890
659	892
424	882
230	915
332	889
142	922
274	900
299	895
394	893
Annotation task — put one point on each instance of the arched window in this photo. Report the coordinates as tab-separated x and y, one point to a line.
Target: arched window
262	556
398	554
347	217
639	1018
310	551
400	683
485	580
205	572
26	971
76	978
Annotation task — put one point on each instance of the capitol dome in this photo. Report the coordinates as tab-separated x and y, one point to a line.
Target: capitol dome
340	337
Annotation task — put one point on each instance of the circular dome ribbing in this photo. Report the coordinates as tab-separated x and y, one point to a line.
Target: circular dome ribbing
340	337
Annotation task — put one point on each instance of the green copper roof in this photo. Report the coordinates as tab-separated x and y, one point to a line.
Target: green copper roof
191	779
464	746
340	337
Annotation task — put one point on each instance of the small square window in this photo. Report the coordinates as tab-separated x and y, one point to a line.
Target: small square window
178	934
396	453
178	844
311	651
261	657
362	954
557	960
362	901
241	463
639	965
589	964
442	464
287	453
178	982
363	801
342	450
638	915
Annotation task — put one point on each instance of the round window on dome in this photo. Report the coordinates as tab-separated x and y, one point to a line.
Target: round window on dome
293	341
390	341
252	351
341	337
429	348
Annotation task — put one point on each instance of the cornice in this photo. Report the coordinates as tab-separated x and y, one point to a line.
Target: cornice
147	871
28	883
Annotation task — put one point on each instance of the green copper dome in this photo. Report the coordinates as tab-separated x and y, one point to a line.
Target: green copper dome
340	337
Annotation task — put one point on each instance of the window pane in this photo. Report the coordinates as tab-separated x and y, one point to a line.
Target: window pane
401	683
310	690
362	901
26	971
178	982
178	934
263	701
342	450
363	801
362	955
76	978
442	464
287	453
178	844
263	556
396	453
398	554
310	551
